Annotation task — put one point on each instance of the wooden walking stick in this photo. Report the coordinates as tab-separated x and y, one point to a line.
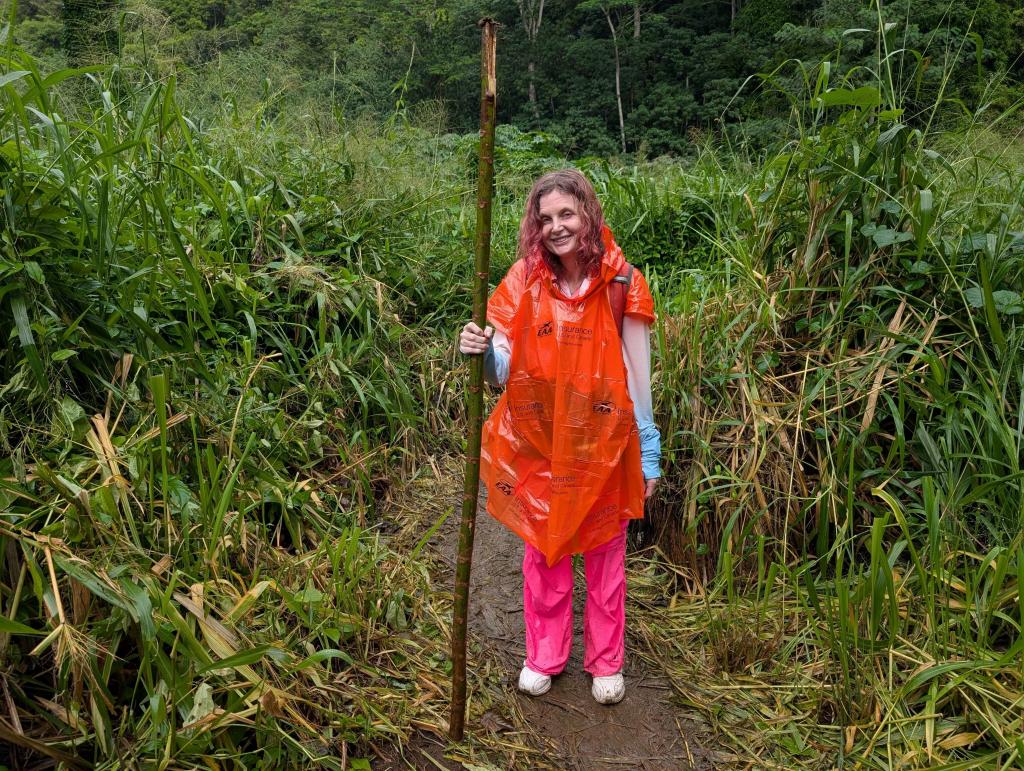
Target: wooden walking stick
475	399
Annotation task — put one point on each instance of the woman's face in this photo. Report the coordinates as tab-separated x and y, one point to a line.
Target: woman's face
560	224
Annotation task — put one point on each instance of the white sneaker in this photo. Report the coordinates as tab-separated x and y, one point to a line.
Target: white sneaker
534	683
609	689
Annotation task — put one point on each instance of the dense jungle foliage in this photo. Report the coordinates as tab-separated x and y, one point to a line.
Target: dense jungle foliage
229	304
685	67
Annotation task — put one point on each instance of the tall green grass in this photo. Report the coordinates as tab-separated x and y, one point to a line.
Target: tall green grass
221	342
841	399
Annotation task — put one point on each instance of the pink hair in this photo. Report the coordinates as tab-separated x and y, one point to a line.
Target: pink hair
591	246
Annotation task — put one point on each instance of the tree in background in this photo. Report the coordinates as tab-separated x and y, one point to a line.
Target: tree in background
531	12
614	12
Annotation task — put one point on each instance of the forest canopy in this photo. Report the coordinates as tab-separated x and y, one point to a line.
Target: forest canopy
600	76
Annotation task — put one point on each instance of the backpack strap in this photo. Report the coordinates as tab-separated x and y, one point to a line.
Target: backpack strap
618	288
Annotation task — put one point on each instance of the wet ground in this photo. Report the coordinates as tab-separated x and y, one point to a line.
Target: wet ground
646	731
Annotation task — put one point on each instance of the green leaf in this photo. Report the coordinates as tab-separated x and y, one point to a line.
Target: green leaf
1007	302
13	627
183	502
10	77
321	656
63	354
890	133
80	571
885	236
191	272
141	608
865	96
26	338
71	410
309	595
59	76
35	272
240	659
975	242
974	297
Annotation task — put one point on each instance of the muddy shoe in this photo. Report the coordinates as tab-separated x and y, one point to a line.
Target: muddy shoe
534	683
608	690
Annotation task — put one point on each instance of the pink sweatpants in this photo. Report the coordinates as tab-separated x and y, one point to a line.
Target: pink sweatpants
547	609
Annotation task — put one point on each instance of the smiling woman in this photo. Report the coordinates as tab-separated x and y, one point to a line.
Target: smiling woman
571	451
560	226
563	225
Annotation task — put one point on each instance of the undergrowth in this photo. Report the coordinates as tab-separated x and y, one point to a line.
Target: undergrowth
841	398
221	342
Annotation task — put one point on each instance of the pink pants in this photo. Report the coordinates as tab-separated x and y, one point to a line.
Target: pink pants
547	609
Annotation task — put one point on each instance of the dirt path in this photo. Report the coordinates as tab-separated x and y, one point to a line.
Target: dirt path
646	731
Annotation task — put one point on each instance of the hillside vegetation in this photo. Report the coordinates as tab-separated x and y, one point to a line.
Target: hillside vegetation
599	77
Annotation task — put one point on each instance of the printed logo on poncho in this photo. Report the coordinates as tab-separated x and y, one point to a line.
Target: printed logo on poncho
560	482
574	334
504	487
545	329
605	407
526	409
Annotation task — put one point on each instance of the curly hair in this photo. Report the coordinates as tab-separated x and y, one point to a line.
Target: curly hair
591	247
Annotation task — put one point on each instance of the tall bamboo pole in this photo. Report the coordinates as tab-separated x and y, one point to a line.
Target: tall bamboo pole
475	397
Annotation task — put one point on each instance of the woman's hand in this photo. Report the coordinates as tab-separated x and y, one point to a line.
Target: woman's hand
650	484
473	340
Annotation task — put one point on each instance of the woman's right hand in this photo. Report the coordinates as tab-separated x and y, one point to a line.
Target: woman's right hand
473	340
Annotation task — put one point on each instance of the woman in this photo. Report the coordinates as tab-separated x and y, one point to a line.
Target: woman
571	451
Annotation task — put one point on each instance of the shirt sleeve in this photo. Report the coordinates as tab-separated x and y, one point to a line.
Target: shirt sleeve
497	359
636	353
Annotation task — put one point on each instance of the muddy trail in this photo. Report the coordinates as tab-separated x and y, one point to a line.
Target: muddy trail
566	727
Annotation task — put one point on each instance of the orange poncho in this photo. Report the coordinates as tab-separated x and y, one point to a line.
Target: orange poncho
561	455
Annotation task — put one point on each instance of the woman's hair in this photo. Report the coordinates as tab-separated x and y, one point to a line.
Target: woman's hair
591	246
